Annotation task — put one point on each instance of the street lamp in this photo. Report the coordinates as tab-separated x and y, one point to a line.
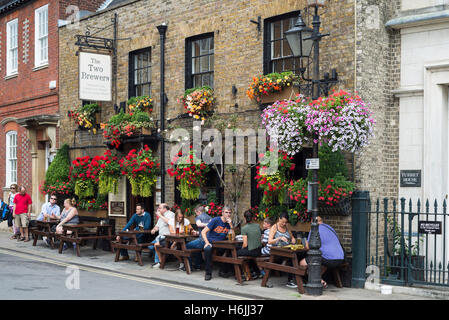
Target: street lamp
301	39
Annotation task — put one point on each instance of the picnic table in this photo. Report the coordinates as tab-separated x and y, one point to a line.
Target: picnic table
79	234
179	249
229	255
43	228
128	241
284	254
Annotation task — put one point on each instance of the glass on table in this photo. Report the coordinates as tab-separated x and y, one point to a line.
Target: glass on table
177	230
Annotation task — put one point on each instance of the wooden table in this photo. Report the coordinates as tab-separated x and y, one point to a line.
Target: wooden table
44	229
285	254
180	250
78	235
128	241
229	255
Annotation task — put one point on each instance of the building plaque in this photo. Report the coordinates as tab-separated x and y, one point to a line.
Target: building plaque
410	178
429	227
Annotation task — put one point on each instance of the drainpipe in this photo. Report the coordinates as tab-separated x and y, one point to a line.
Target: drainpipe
162	30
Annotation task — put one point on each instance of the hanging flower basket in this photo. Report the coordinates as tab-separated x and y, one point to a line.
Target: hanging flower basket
86	117
199	102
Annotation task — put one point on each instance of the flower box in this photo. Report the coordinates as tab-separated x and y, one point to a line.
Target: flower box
94	214
289	93
341	208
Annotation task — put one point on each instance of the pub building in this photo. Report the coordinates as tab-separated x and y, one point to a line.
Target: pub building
163	48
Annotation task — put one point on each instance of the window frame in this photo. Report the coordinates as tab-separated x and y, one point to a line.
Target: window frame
132	92
10	70
38	56
267	59
8	169
189	75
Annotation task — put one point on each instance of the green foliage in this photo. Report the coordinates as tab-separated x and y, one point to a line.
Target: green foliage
117	119
331	164
189	91
59	169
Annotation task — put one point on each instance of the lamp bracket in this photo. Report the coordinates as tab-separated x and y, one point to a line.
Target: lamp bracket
258	22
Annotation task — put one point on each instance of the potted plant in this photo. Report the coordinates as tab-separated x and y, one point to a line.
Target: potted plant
141	169
93	207
85	177
191	174
273	87
86	117
199	102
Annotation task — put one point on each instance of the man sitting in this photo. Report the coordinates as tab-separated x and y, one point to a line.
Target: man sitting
142	221
162	226
217	229
331	249
48	210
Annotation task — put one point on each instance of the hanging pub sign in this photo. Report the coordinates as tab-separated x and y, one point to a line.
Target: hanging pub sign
95	77
429	227
410	178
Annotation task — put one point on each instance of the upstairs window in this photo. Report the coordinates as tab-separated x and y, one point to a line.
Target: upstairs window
41	36
12	47
140	73
200	61
278	56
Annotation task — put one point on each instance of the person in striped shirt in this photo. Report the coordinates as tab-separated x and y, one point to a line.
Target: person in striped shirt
267	224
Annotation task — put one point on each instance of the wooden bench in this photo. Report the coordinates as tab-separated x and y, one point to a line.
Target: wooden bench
128	241
336	273
179	250
44	229
245	264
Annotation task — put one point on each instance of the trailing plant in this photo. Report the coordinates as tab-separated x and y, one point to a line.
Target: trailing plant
199	102
141	169
191	174
273	183
85	116
270	83
93	204
342	121
85	177
108	172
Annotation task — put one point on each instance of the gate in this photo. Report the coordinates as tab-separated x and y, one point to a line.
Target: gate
405	241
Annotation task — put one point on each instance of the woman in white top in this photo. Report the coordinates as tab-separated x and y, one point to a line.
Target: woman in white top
12	193
181	224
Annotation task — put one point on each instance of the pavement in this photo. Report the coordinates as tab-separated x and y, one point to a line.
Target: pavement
103	261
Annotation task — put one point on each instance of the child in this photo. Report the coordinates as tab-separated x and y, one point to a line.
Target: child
265	251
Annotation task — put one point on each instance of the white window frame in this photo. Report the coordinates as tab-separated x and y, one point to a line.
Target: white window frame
12	47
11	158
41	35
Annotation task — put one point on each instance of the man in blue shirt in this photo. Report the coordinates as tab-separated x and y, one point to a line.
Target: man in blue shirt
142	221
332	253
217	230
202	218
49	209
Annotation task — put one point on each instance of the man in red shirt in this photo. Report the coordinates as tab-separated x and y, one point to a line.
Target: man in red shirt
22	213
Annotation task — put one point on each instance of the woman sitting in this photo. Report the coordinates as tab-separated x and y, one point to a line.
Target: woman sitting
251	242
181	224
68	216
280	236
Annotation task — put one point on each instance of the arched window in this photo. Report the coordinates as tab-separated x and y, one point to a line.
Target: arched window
11	158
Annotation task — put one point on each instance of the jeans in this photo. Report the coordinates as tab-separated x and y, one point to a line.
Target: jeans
196	244
156	258
199	244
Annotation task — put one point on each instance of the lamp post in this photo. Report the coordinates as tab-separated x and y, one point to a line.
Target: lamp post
301	39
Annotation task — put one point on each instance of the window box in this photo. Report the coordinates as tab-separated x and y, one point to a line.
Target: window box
288	93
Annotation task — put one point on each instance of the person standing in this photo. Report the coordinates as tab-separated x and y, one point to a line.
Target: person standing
22	213
13	190
141	220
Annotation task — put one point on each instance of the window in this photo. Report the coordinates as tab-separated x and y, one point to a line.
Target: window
41	36
278	56
11	157
12	47
140	73
200	61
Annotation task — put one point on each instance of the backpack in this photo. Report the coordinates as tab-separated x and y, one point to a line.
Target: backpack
5	213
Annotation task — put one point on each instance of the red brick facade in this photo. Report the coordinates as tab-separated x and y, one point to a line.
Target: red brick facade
28	93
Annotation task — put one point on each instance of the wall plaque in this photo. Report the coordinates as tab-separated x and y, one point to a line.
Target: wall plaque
117	208
429	227
410	178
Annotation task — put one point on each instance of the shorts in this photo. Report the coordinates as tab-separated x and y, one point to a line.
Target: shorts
160	239
21	220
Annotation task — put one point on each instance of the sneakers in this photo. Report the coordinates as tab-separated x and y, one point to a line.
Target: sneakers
291	284
182	267
65	247
207	277
47	242
157	265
